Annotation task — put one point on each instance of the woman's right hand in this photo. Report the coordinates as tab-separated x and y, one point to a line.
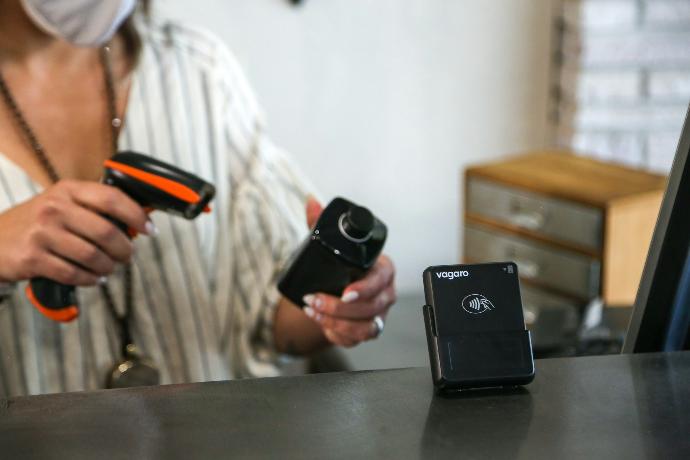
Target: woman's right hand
60	234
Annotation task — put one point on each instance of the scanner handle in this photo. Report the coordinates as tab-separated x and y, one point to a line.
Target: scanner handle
55	300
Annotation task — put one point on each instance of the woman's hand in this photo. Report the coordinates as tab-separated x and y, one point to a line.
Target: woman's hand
351	319
60	234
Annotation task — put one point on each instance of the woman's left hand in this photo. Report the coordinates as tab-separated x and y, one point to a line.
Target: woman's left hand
359	314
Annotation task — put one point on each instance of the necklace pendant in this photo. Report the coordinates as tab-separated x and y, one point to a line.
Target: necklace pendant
134	371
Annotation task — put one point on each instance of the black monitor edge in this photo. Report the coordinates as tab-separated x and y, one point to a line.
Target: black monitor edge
666	258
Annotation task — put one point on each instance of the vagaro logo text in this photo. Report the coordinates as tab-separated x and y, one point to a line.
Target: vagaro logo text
453	275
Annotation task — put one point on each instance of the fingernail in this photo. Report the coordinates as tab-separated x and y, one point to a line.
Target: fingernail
308	299
103	280
350	296
384	298
312	314
313	301
151	229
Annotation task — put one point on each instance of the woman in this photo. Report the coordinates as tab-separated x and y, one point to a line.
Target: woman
204	303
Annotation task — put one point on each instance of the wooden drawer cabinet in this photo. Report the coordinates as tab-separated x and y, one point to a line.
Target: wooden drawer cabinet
578	228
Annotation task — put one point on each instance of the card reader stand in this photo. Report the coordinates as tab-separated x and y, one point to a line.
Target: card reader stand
478	359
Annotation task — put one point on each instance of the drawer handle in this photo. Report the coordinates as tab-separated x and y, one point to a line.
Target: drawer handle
527	268
531	313
529	220
526	218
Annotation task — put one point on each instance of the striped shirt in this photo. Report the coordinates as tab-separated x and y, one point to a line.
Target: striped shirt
205	290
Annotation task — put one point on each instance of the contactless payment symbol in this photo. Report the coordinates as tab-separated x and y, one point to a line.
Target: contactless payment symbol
476	304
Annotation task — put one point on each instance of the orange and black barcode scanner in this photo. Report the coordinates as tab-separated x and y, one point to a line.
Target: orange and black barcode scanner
153	184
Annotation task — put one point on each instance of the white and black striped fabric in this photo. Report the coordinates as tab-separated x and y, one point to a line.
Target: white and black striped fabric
205	290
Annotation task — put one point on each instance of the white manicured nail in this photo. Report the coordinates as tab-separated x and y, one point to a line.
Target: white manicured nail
103	280
151	229
308	299
312	301
309	312
384	298
350	296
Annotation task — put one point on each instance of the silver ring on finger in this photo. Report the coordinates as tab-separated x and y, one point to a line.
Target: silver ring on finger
378	325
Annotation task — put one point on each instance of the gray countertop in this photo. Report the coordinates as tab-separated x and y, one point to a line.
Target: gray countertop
623	406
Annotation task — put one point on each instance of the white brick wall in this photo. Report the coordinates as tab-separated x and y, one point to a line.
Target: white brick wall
623	147
669	85
602	14
603	86
636	117
661	147
667	12
624	79
629	48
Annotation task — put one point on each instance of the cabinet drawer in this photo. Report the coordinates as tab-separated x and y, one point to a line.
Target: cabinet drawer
536	302
566	271
553	320
554	218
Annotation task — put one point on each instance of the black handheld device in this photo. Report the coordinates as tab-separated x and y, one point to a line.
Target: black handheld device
475	327
153	184
343	245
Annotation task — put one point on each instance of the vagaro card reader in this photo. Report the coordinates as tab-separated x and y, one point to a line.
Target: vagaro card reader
475	327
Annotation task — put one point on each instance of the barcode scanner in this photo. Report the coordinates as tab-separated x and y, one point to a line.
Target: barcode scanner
153	184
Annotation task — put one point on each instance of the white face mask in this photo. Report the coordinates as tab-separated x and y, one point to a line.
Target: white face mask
81	22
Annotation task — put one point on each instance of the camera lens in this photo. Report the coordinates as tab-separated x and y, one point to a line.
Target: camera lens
357	223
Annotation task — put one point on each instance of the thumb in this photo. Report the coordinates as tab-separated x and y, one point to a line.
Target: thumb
314	209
